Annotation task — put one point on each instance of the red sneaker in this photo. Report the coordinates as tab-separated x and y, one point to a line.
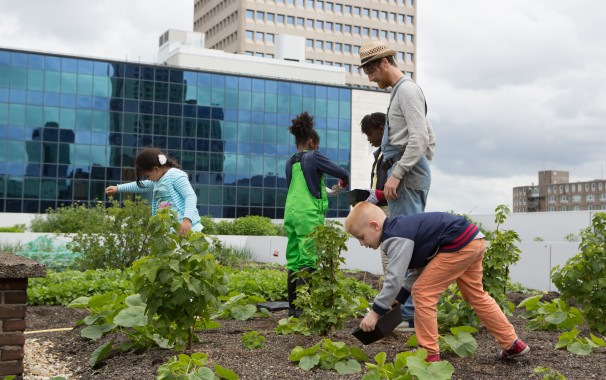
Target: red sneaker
518	348
432	358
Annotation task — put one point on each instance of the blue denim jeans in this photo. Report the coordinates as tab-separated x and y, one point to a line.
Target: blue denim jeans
409	202
408	311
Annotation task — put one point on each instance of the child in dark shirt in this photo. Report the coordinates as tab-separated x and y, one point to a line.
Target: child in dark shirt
447	248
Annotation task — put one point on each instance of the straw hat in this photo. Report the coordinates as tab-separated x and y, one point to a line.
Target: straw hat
373	51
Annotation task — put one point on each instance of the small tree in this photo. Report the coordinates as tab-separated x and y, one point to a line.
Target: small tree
179	281
583	278
326	305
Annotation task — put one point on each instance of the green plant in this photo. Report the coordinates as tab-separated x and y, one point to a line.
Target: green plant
291	325
452	311
251	225
239	306
208	225
502	252
10	247
325	304
234	257
61	288
579	346
15	228
266	283
74	218
583	278
178	280
461	342
329	355
549	374
554	315
407	366
253	340
119	239
194	367
571	238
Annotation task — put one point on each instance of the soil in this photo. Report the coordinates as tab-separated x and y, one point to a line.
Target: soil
223	346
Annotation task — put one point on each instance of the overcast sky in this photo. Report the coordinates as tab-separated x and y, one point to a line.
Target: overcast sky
513	87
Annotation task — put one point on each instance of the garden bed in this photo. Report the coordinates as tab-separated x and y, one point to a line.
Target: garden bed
223	346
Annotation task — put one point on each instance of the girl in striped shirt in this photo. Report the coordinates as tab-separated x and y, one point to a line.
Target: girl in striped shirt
167	183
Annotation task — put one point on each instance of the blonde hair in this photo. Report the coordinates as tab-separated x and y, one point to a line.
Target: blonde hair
361	214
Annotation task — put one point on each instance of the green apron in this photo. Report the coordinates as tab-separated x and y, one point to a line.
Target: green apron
302	213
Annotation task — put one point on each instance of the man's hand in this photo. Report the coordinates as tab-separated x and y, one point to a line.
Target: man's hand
111	190
389	190
370	321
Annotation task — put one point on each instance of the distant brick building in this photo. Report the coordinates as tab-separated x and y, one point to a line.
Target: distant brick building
555	193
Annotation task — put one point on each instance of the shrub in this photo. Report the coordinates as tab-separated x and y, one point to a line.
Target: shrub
62	288
248	225
208	224
120	239
70	219
582	278
15	228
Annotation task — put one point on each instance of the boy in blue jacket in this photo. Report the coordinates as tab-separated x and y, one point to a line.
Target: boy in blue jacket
439	248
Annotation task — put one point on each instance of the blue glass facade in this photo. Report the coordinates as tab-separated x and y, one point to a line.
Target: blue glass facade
70	126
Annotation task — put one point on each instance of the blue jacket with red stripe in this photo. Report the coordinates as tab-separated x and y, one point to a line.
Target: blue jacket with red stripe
410	242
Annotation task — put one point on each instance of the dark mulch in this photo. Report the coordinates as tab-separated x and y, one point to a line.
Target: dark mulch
223	346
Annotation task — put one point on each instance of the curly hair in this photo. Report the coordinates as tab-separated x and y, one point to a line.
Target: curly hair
303	129
372	122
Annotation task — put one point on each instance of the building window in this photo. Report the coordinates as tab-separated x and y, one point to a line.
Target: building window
589	198
593	186
356	11
563	208
328	25
338	27
260	15
356	49
329	7
259	36
366	12
347	48
347	28
309	43
328	45
309	23
365	31
290	20
319	44
409	38
280	19
561	189
409	20
347	9
338	46
347	67
576	199
300	21
249	35
383	34
602	197
269	37
271	17
600	186
338	8
319	24
383	15
564	199
408	57
250	14
319	4
356	30
551	199
374	13
392	36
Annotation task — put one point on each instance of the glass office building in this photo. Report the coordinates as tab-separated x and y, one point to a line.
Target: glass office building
71	126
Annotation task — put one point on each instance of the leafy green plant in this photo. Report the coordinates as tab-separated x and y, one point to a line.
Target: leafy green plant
10	247
118	239
571	238
230	256
325	304
291	325
209	226
453	311
502	252
329	355
583	278
579	346
178	281
192	367
251	225
61	288
239	306
461	342
549	374
554	315
408	365
253	340
15	228
266	283
74	218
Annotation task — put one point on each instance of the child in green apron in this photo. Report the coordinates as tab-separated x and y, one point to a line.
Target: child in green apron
306	201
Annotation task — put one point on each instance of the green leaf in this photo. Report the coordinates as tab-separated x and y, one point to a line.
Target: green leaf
556	318
203	373
580	349
442	370
225	373
243	312
100	353
131	317
308	362
349	367
463	345
92	332
79	303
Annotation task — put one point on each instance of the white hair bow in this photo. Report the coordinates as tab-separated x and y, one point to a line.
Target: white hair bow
162	159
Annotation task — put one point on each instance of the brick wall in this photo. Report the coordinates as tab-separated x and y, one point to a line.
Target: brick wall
14	273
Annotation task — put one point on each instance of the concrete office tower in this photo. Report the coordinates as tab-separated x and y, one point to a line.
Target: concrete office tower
333	30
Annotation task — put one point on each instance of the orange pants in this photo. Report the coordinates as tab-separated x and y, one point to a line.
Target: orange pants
464	267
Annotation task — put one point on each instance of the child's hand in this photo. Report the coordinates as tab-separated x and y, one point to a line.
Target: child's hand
185	226
111	190
370	321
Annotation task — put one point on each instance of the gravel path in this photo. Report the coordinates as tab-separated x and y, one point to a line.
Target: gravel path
40	364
